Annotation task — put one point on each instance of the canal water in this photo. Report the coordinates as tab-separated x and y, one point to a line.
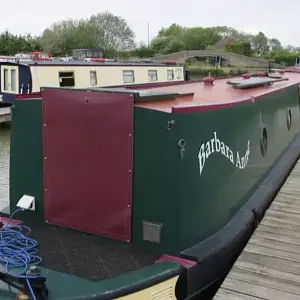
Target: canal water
4	166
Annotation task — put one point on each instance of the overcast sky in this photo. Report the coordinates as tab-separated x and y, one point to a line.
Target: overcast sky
279	19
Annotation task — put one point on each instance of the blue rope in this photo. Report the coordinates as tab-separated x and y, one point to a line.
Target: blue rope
19	251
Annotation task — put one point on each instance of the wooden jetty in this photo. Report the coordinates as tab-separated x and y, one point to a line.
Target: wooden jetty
5	115
269	266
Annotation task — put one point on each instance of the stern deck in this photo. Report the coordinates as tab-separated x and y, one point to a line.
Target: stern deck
91	257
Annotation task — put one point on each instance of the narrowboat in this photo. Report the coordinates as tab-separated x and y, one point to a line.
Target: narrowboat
30	76
146	194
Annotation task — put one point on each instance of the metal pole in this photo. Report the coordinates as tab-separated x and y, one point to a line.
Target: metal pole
148	34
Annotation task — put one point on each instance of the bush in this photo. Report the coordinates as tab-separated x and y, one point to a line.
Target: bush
215	72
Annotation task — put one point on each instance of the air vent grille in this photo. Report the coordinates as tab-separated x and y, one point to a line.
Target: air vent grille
152	231
164	294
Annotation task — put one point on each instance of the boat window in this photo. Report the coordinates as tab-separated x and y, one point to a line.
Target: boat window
170	74
152	75
89	53
6	87
128	76
178	74
66	79
93	78
13	80
43	55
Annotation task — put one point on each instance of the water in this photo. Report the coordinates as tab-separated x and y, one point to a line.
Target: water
4	166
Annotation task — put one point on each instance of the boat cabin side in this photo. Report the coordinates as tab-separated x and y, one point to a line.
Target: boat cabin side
87	74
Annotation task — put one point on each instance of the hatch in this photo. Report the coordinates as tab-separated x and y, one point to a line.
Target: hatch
254	82
146	94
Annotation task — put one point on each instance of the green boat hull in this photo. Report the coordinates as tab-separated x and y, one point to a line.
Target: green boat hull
204	178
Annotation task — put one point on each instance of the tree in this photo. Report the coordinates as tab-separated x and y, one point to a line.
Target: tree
177	38
11	44
111	33
239	48
61	37
259	44
144	51
275	45
106	31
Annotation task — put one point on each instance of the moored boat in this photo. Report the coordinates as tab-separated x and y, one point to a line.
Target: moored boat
152	193
29	77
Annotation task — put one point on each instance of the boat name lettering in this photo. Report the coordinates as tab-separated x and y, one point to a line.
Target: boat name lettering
215	145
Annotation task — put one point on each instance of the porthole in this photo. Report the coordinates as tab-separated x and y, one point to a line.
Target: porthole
289	119
263	141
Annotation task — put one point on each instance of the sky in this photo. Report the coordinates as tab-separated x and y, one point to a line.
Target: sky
277	19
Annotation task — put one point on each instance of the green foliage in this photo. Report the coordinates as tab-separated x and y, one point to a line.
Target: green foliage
11	44
239	48
215	72
283	57
143	51
177	38
104	30
260	44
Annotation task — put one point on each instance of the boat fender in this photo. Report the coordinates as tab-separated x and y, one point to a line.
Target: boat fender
22	296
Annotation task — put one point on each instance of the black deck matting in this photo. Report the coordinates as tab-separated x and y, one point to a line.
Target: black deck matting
88	256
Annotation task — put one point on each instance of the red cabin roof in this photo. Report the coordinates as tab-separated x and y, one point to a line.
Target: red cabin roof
219	93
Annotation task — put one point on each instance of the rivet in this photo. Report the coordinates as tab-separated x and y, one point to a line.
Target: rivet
129	171
47	221
130	134
45	190
44	125
45	157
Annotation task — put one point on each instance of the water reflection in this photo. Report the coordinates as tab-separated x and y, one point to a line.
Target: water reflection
4	166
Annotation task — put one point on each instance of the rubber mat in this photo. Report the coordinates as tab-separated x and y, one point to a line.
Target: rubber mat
88	256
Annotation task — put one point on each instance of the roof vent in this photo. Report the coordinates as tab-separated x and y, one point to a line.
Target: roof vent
246	76
254	82
208	80
152	231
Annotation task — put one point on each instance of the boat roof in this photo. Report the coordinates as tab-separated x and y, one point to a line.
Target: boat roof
229	91
91	63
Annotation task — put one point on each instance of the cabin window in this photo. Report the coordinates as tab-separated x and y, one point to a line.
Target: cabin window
43	55
128	76
93	78
13	80
152	75
6	84
66	79
89	54
170	74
